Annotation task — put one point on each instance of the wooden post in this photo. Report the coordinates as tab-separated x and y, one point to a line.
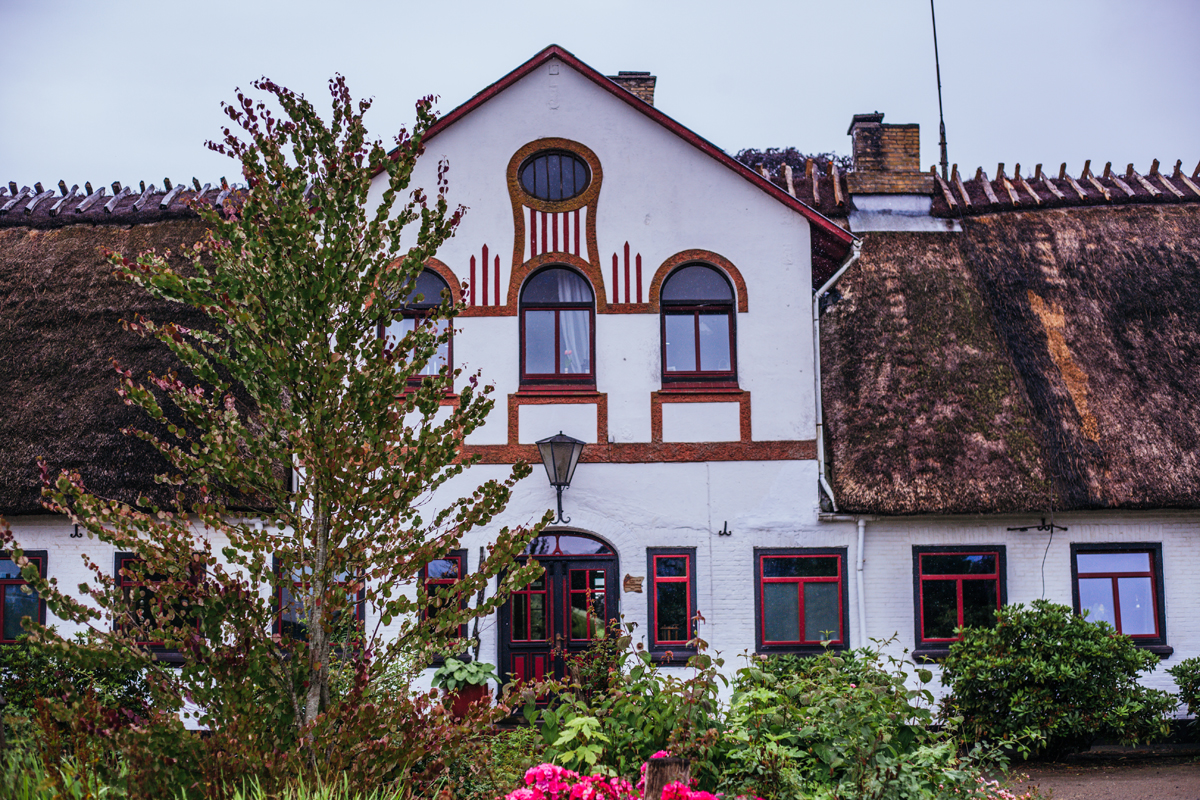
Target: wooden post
661	771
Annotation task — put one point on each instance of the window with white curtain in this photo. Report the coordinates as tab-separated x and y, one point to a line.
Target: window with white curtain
557	343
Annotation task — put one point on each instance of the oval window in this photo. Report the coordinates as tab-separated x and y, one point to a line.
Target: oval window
554	175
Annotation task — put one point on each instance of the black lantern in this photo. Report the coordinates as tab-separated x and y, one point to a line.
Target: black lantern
560	454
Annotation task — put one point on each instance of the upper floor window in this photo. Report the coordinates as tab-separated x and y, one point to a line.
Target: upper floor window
17	599
1121	585
956	587
698	332
554	175
425	296
557	342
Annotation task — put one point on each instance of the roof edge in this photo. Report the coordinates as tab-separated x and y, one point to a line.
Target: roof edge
830	228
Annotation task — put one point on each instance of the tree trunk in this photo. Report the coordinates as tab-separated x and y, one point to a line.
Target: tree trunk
318	640
661	771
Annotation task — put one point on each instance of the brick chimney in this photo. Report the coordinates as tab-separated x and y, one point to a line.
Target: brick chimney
640	84
887	158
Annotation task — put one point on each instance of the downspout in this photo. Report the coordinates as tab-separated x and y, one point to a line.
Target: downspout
862	592
855	251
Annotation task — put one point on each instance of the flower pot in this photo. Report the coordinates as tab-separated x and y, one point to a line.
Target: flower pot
464	698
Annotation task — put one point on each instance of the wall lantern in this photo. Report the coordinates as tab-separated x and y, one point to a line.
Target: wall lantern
560	454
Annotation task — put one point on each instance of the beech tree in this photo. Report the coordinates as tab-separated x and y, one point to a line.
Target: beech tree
292	378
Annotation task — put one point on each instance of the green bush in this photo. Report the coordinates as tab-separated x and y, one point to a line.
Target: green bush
1047	670
839	725
1187	677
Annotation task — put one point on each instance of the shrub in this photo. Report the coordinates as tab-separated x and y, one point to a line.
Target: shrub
839	725
1187	677
1049	671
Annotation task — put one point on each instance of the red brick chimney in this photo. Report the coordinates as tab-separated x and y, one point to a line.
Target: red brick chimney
887	158
640	84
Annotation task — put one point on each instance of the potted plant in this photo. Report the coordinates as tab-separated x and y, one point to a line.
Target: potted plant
465	682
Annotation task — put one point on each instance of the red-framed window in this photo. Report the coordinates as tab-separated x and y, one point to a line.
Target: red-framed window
699	337
426	295
439	574
291	616
530	607
956	587
141	598
672	601
800	599
558	342
17	599
586	599
1122	585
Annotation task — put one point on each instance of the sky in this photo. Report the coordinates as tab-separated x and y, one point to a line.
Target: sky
129	90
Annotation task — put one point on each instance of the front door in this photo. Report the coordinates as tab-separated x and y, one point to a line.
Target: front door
563	611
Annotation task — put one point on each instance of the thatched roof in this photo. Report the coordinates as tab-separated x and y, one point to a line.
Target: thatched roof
59	328
1035	357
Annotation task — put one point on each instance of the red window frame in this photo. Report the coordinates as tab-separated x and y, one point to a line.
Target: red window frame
38	558
589	595
653	556
761	580
558	377
697	309
1154	573
125	583
431	584
523	596
420	312
921	579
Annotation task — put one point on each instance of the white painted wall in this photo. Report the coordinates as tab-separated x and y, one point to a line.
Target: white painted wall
701	422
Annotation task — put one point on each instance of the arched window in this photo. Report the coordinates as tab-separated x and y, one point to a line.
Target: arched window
698	331
425	296
557	345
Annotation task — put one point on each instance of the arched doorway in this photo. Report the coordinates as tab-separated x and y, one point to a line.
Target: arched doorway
564	610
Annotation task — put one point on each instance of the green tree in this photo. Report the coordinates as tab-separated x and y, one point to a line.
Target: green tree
300	270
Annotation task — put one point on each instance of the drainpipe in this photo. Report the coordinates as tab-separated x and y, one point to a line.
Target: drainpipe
855	251
862	593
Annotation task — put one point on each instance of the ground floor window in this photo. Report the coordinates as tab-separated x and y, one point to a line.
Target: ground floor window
17	598
437	576
672	598
292	615
1121	584
801	600
954	587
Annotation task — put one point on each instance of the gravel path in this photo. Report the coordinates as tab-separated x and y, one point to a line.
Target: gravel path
1170	778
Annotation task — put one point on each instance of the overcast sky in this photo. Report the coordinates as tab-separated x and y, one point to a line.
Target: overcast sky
127	90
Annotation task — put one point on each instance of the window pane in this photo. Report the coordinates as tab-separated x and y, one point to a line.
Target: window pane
541	183
294	622
955	564
670	567
9	568
539	342
557	285
443	569
575	341
1137	606
426	291
671	612
696	283
554	176
520	616
537	617
821	618
18	604
680	330
1095	597
1113	562
806	567
939	609
564	544
979	603
781	612
714	343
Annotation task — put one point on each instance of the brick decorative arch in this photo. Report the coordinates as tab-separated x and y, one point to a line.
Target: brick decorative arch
590	271
702	257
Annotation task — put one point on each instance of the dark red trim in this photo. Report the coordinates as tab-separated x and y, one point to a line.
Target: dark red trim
827	226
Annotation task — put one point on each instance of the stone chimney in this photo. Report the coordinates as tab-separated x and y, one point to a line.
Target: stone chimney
887	158
640	84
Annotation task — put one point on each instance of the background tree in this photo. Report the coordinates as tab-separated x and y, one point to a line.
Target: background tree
300	273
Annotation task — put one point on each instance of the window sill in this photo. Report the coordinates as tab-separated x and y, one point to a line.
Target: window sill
557	391
1163	651
925	655
803	650
700	387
